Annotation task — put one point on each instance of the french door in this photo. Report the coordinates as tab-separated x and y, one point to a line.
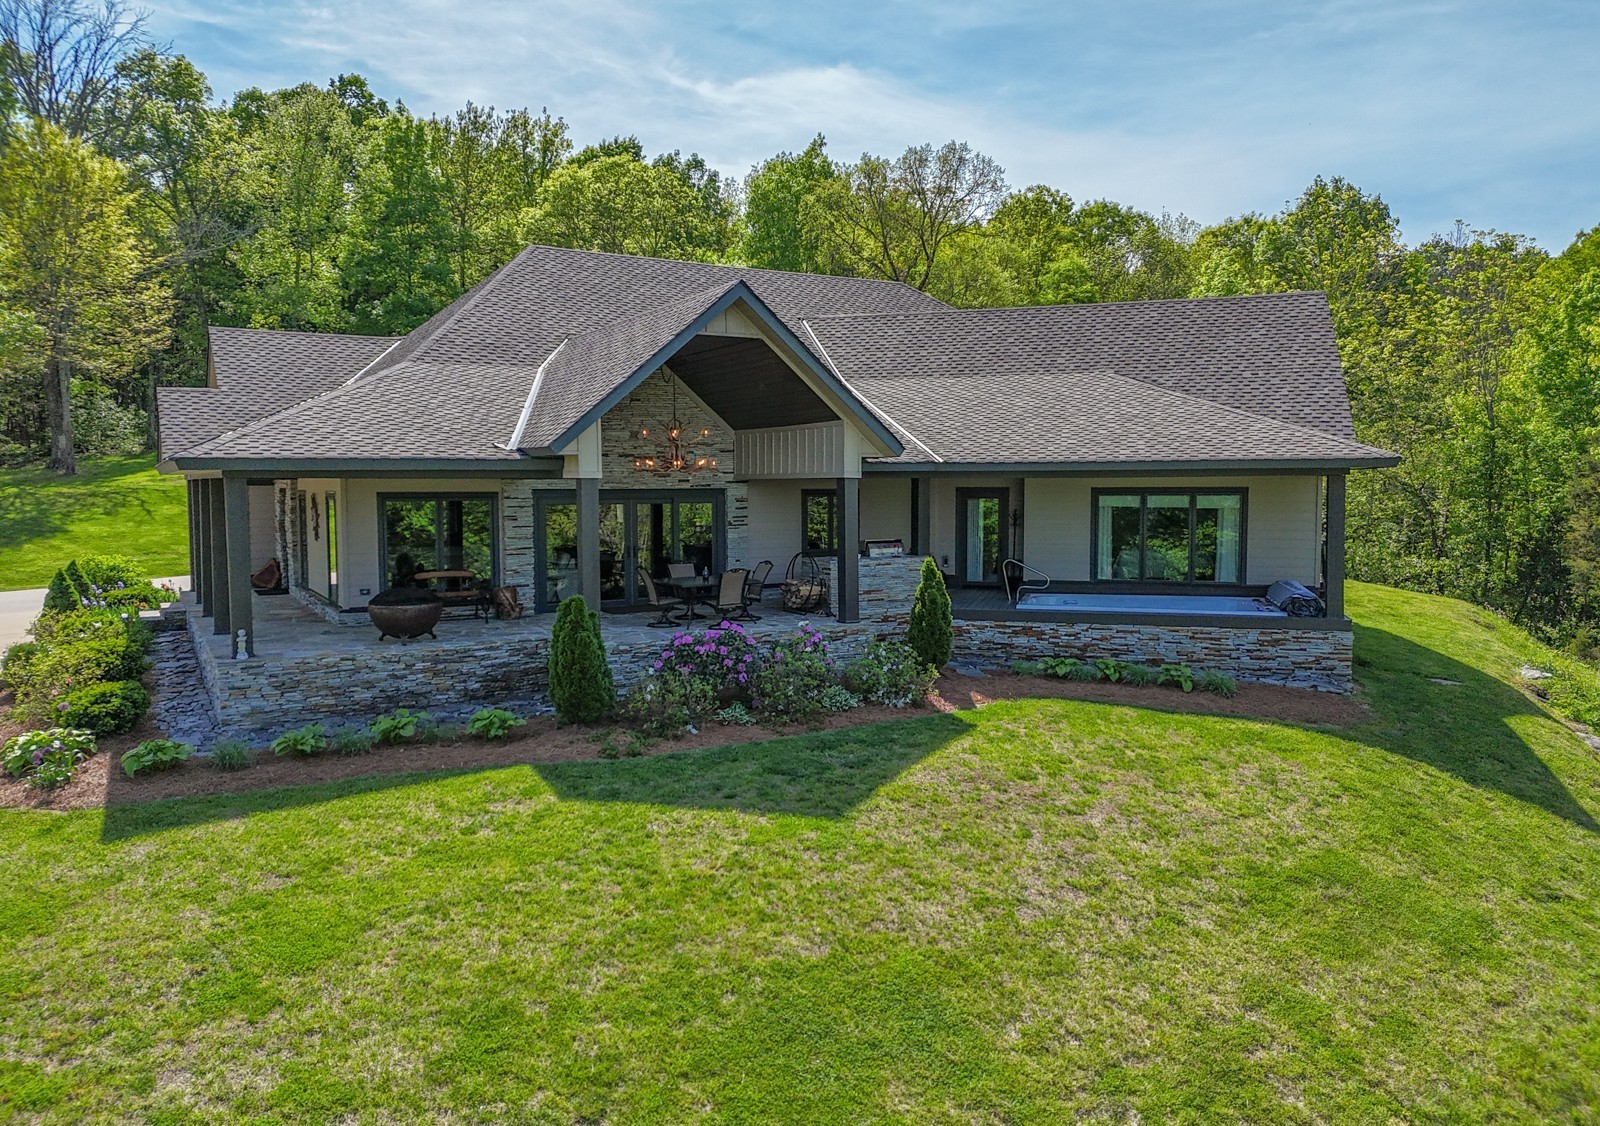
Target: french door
982	527
649	530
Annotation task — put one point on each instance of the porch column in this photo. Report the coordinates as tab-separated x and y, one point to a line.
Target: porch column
847	598
922	542
208	588
218	593
1333	567
236	505
192	508
589	540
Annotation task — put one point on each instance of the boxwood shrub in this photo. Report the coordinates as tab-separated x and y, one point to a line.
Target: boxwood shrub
111	708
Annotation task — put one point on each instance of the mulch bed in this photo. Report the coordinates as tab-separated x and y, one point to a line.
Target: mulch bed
101	782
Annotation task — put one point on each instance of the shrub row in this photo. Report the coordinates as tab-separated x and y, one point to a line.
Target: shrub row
82	668
1136	673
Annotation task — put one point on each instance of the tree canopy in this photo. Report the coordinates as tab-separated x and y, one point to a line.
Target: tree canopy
137	210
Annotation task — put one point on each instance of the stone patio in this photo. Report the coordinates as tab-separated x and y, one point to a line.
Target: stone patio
308	669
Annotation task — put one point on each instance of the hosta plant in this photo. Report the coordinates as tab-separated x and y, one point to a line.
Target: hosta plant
154	754
302	741
493	723
48	758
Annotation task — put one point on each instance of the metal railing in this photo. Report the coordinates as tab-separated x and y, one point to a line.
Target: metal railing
1014	574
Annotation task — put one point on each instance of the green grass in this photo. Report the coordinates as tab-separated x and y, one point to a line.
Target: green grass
1042	911
115	505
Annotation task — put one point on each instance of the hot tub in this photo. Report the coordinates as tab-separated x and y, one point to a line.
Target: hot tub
1213	605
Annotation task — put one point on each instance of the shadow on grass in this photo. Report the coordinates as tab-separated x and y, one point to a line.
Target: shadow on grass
824	775
37	503
1463	727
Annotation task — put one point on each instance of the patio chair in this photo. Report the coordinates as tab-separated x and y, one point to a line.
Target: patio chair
754	586
680	570
730	601
665	605
806	589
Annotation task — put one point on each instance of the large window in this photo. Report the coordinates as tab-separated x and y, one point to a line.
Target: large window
819	530
1169	536
422	533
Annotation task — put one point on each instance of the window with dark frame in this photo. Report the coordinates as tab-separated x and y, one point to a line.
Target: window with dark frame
1169	535
436	533
819	521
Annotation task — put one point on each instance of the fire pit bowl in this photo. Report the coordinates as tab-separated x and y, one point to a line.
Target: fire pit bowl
405	612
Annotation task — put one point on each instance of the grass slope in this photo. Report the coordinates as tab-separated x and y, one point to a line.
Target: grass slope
118	505
1038	911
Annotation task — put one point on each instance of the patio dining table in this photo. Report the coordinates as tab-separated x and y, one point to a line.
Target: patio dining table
694	591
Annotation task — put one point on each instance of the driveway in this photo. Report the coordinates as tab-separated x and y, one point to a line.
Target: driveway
18	608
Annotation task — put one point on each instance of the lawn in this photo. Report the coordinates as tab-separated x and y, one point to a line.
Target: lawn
1039	911
116	505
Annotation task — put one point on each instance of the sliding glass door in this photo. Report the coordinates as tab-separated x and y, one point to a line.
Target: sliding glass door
637	530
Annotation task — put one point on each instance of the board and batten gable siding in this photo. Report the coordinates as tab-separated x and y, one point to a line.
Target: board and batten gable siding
1283	529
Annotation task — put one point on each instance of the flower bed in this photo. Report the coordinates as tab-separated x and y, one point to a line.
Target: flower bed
724	675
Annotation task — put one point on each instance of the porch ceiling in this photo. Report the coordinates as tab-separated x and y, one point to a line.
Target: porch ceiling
747	384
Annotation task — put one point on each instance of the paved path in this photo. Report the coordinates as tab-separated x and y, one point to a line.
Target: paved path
18	608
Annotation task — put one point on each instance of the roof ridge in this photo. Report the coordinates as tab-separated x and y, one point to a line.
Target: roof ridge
312	335
1146	302
891	282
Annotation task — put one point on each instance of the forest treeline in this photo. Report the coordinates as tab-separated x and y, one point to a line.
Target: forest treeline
137	209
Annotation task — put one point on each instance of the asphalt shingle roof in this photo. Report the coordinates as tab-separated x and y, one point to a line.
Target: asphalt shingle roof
457	384
1226	379
259	372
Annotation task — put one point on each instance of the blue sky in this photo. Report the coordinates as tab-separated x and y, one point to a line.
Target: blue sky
1486	112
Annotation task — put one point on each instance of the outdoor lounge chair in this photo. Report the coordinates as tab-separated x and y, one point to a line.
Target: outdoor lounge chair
665	605
730	601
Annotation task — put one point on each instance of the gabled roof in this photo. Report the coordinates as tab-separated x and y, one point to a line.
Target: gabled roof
515	368
456	387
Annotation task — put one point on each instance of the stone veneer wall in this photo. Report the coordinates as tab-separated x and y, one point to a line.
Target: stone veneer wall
650	405
1298	657
272	695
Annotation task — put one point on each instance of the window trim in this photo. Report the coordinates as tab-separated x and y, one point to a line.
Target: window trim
495	538
832	495
1193	494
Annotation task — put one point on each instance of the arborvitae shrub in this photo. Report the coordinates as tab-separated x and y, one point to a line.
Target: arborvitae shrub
580	680
930	632
79	583
61	598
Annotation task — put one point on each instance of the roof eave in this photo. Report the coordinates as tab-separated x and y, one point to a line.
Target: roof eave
1208	467
521	466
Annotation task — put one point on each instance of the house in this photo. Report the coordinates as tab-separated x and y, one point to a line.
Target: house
579	417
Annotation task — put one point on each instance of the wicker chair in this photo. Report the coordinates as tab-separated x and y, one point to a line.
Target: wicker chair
665	605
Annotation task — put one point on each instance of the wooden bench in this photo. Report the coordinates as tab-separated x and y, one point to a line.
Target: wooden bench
461	590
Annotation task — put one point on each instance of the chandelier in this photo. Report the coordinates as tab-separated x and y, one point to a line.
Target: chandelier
675	454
